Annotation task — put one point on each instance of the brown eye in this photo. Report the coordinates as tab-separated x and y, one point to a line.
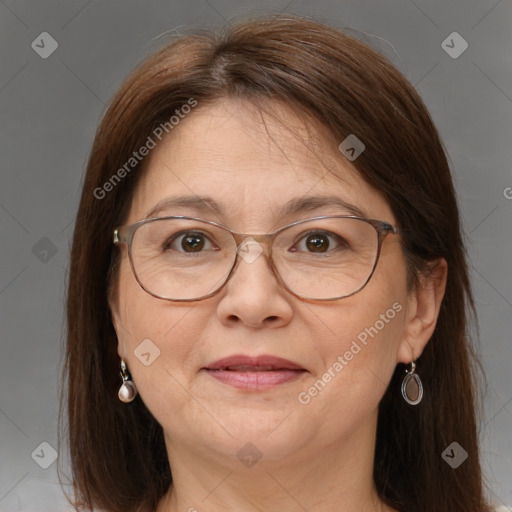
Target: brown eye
317	243
189	242
192	243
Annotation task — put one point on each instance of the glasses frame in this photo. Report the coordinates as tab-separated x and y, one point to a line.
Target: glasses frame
124	234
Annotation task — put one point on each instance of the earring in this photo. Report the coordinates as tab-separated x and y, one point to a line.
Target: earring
412	388
128	390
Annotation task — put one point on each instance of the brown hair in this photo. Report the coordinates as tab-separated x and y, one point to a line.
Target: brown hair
117	451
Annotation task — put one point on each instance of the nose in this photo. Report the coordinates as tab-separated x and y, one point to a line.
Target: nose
253	296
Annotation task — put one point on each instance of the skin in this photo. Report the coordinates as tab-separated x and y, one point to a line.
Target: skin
316	457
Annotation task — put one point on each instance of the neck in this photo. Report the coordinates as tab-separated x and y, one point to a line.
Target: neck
315	477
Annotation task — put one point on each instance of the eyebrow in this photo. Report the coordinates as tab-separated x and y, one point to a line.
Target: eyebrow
206	204
201	204
310	203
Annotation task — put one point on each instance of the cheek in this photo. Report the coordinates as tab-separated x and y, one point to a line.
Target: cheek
362	336
358	339
144	316
157	340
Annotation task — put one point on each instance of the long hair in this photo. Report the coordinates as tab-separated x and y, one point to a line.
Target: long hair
117	451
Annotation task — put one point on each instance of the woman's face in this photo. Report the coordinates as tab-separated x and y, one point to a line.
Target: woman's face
347	349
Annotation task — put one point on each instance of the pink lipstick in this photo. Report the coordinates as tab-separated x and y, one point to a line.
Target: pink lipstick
254	373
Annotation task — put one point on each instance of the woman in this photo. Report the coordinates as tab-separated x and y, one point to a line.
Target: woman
268	287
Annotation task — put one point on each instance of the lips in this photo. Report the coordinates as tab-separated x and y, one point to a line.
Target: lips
254	373
262	363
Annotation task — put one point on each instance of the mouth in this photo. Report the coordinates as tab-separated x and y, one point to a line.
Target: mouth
254	373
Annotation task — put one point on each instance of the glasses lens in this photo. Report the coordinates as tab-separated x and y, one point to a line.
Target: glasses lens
186	259
326	258
182	258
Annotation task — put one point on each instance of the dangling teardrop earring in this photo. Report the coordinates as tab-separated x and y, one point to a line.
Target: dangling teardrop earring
128	390
412	388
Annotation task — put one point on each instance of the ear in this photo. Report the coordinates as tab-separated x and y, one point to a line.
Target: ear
113	304
422	310
117	306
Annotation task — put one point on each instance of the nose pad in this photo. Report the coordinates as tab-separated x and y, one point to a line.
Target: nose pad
252	297
249	250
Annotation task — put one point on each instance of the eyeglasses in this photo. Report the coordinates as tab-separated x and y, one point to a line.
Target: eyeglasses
182	258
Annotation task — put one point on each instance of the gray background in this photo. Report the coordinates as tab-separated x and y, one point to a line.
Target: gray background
49	110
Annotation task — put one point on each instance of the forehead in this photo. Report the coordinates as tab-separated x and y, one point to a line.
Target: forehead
251	162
